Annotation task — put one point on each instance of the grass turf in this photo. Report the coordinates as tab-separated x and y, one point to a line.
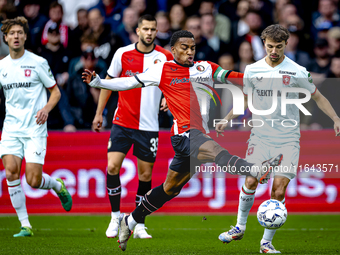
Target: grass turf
302	234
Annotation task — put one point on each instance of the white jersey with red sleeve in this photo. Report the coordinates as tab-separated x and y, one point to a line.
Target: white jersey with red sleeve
186	91
137	108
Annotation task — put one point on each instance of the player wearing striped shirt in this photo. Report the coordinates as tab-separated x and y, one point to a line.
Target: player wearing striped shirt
191	144
135	121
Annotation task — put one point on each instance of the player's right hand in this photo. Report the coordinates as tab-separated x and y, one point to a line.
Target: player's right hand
87	76
97	123
220	127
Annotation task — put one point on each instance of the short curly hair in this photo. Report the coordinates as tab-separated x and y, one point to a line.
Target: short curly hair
8	23
275	32
180	34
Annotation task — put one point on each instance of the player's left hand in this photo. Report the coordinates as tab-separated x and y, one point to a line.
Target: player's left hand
87	76
164	106
41	116
337	127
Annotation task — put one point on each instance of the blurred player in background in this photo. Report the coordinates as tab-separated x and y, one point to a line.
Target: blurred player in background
189	136
135	121
275	71
24	77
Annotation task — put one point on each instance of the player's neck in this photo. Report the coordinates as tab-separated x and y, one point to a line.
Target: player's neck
274	64
16	54
141	47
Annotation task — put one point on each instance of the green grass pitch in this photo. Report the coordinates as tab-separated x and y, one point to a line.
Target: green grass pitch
302	234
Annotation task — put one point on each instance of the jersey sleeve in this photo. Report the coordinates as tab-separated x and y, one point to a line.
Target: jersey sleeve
115	68
151	76
169	55
306	81
226	76
45	75
247	81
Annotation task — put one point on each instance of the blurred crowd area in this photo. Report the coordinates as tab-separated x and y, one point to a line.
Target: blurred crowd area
73	35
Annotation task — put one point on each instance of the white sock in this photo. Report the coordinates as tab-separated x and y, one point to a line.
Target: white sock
18	200
49	183
269	233
115	215
131	222
141	225
246	201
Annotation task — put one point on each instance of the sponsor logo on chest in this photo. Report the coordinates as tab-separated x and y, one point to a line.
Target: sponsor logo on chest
176	81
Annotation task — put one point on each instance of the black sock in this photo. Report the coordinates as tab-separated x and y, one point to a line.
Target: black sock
143	187
152	201
113	190
233	164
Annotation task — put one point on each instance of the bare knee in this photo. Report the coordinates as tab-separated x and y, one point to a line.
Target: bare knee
251	183
113	168
145	174
12	172
34	180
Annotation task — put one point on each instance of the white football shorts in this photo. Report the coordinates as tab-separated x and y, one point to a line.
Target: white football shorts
32	148
258	152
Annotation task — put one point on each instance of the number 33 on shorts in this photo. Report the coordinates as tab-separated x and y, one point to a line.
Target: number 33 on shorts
154	145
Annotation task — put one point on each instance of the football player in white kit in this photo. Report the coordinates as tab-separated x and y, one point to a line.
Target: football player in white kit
24	78
267	78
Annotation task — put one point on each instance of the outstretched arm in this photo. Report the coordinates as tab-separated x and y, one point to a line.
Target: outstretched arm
118	84
327	108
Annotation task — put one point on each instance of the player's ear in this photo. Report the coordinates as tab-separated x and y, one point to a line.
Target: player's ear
137	31
173	50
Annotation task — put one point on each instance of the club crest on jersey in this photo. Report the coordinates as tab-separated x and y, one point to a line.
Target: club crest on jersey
200	68
285	79
27	73
157	61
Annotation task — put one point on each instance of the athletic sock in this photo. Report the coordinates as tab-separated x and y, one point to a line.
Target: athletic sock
47	182
143	187
246	201
152	201
269	233
115	215
233	164
18	200
131	222
113	190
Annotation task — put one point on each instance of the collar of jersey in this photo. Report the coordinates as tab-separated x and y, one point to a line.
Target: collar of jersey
183	65
154	46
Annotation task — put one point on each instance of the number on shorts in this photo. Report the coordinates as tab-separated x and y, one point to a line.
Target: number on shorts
154	144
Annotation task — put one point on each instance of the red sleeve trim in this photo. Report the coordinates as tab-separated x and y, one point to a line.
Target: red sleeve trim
314	91
53	86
